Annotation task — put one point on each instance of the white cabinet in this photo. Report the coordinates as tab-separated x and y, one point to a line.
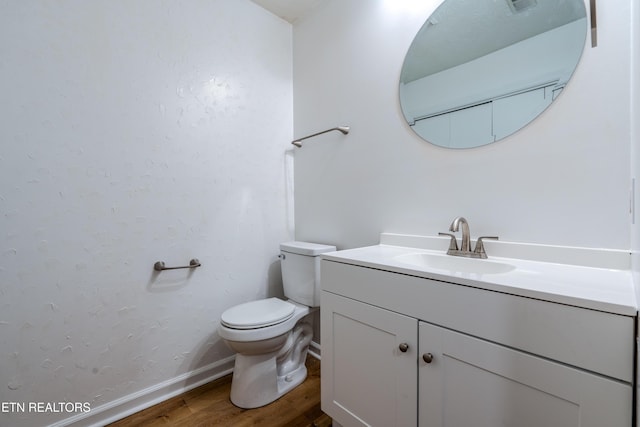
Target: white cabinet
370	364
511	112
473	382
485	122
487	361
464	128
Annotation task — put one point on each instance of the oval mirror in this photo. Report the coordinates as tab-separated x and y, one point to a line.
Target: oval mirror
479	70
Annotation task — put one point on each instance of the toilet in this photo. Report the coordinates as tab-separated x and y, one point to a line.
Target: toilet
271	336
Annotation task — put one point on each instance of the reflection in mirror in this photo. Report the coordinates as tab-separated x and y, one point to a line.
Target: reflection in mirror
479	70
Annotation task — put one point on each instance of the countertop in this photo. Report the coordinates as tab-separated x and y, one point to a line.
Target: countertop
597	288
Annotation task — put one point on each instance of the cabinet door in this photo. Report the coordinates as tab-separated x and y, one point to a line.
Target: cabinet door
471	126
369	377
435	129
472	382
512	112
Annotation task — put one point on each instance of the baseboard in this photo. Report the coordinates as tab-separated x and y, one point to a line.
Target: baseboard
315	350
143	399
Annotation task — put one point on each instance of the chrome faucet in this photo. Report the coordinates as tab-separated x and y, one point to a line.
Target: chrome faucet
466	235
465	249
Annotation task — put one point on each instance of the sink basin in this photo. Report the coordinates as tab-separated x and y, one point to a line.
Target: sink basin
454	264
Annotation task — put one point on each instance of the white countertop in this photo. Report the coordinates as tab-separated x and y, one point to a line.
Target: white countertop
598	288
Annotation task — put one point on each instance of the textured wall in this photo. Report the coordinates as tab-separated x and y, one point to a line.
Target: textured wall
133	132
562	180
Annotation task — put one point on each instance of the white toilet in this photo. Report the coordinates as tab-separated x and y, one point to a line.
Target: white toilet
271	336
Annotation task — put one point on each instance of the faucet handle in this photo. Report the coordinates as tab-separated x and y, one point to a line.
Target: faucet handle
453	243
480	246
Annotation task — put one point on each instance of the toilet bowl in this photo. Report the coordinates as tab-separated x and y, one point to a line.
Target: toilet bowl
271	336
270	359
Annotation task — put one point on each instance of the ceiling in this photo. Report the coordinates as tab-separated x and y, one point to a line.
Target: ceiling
289	10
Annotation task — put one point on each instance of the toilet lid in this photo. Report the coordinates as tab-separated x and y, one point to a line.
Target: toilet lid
257	314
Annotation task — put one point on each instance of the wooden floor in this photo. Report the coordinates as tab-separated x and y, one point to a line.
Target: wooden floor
209	405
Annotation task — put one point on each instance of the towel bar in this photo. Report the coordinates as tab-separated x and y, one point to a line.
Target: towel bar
159	266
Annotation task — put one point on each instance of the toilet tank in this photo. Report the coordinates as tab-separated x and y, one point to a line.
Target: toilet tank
300	263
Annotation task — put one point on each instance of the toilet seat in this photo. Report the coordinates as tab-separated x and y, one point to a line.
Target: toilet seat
258	314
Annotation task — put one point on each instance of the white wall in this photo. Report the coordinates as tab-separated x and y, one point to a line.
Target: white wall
635	145
134	132
635	167
562	180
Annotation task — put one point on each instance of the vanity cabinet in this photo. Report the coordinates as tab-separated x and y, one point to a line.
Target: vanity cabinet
373	382
473	382
409	351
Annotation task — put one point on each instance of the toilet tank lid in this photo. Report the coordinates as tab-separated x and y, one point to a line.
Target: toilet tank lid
306	248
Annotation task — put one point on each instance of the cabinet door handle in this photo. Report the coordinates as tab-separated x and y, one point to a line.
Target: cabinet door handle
427	357
403	347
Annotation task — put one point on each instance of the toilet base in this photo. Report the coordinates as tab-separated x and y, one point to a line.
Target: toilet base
256	382
290	381
259	379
